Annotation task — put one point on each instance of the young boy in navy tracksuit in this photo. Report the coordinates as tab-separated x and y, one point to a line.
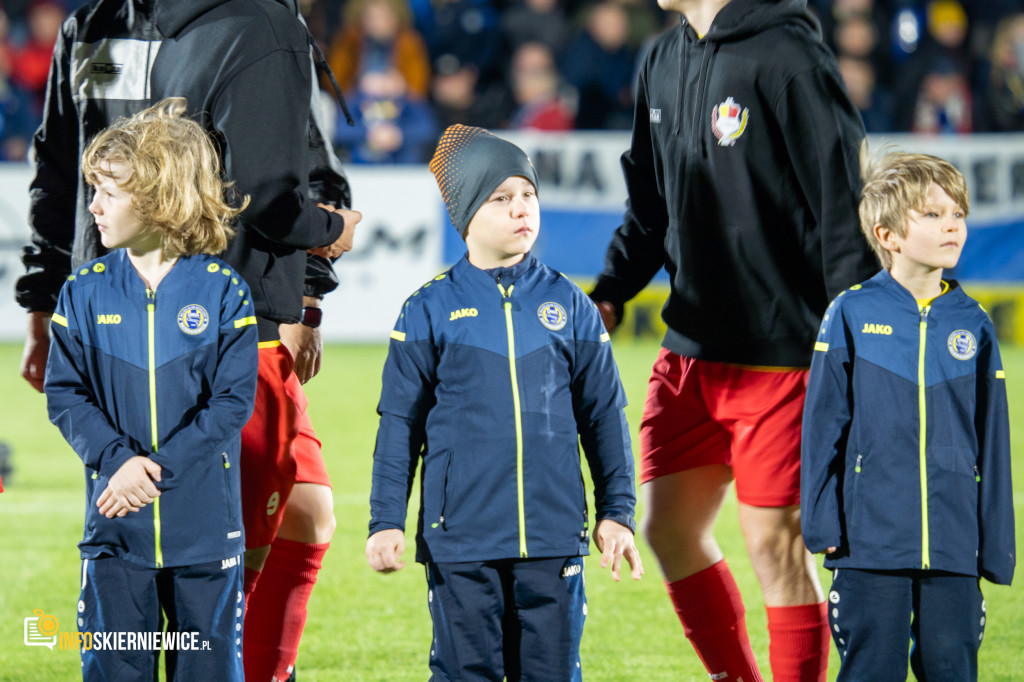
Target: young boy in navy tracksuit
151	376
905	481
497	369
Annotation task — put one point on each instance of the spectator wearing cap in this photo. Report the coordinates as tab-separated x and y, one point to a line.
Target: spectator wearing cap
935	84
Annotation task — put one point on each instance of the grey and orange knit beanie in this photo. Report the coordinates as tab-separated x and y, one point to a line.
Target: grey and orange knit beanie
469	164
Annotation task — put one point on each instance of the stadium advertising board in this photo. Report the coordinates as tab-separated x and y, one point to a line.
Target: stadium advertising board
405	237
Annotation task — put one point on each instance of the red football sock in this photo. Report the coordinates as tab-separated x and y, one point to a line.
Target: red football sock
711	610
799	642
251	576
276	612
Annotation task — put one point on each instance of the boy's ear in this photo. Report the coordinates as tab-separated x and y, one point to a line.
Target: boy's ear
887	238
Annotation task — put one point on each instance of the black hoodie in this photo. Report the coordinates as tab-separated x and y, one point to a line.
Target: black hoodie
244	67
743	180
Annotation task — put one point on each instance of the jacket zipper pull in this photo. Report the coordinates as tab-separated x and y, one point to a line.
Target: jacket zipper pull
227	464
856	468
977	476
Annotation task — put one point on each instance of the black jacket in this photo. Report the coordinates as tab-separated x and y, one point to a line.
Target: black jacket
244	67
743	181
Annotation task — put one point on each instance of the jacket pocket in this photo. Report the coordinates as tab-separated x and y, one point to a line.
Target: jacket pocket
853	489
437	491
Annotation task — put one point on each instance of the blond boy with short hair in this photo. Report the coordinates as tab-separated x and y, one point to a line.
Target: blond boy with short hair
905	482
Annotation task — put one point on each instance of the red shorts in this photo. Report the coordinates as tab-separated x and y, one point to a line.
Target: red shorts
309	460
279	447
699	413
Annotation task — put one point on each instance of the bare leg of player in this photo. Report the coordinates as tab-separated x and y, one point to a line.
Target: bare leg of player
681	509
797	619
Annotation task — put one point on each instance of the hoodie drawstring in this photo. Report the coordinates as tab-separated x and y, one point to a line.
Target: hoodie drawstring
323	67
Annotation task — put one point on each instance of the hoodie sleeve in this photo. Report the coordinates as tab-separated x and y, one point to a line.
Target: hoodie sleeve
410	374
637	250
826	422
245	115
53	191
232	393
823	132
598	406
71	399
997	553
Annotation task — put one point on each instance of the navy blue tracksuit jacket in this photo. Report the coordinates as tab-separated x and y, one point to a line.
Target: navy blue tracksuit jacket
170	374
906	441
494	378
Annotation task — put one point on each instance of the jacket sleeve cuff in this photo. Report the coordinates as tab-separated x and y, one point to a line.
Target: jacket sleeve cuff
113	460
377	526
626	520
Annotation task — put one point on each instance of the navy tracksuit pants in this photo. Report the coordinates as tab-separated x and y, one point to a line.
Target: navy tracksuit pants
200	605
880	619
514	619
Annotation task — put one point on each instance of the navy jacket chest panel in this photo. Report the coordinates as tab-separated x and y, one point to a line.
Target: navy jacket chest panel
890	337
115	319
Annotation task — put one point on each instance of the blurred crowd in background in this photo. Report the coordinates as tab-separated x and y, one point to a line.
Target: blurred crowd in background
409	68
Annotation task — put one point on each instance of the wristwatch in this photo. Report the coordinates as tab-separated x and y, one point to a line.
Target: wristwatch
311	317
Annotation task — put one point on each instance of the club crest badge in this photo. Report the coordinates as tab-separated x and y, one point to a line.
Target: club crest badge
962	344
193	319
728	121
552	316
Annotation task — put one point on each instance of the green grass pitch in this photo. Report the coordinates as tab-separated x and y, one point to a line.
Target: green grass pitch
364	626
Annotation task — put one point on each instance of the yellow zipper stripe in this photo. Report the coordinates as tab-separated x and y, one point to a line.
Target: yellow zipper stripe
922	437
151	328
519	420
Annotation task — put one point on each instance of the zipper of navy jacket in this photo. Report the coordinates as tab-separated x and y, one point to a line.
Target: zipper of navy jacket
506	295
922	436
151	347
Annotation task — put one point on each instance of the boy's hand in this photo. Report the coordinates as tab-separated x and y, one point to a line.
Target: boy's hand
616	541
384	550
130	488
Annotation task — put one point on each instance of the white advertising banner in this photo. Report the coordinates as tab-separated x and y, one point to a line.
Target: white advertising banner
405	240
397	249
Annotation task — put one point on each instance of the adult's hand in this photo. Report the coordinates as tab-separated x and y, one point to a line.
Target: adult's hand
37	348
608	316
306	347
344	243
